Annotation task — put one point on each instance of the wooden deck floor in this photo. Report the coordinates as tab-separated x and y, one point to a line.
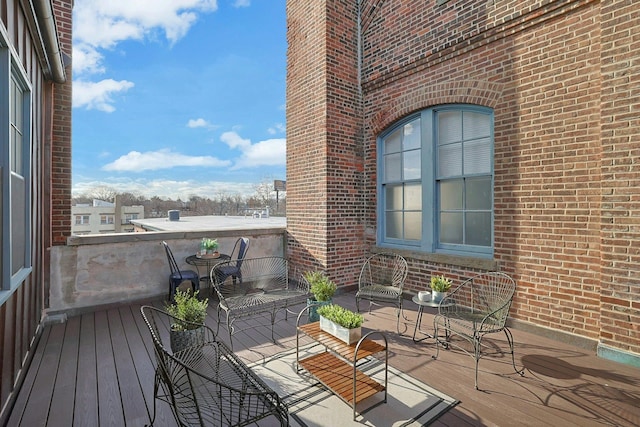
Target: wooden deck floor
96	370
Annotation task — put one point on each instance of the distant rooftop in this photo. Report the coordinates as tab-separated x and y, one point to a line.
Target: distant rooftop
209	222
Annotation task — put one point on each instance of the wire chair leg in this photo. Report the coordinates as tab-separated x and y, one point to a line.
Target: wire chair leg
507	332
477	352
273	322
156	386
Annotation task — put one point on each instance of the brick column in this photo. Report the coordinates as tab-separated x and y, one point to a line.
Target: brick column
60	184
324	143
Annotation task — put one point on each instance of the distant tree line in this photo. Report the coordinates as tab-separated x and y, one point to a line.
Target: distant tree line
222	204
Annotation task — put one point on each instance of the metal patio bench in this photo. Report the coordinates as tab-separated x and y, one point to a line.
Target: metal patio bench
265	289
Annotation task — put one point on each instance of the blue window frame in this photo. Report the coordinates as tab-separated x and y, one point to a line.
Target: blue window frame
15	171
435	182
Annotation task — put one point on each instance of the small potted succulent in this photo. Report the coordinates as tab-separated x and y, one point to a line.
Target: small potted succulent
322	289
344	324
439	287
189	312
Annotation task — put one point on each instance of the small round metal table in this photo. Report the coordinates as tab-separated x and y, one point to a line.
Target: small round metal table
207	262
421	306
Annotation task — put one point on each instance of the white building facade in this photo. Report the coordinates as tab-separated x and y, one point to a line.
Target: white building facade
104	217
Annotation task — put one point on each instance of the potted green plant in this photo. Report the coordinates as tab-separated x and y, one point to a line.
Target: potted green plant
209	246
187	327
322	289
344	324
439	287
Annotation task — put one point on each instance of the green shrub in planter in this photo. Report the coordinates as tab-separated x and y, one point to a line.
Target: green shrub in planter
342	316
322	287
187	308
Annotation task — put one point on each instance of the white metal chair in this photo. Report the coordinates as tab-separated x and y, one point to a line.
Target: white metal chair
381	281
479	306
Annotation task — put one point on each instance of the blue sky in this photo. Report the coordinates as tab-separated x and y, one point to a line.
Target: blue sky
175	98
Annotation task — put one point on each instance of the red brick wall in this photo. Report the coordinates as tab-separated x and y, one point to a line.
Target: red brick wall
540	73
60	184
620	186
560	78
324	158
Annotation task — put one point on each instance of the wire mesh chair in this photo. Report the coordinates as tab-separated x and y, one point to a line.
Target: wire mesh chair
479	306
381	281
206	384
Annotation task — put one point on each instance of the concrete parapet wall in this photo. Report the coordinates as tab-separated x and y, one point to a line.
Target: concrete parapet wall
98	270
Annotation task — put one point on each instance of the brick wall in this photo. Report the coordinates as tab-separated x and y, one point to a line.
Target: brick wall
619	132
562	81
60	185
538	67
324	155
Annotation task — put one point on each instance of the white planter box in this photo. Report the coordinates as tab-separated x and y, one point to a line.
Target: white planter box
349	336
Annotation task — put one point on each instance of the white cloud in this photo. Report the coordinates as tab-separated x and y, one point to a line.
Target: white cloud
98	95
277	128
104	24
270	152
242	3
198	123
101	24
135	161
233	140
165	188
86	59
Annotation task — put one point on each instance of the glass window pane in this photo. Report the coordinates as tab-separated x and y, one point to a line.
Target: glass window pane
449	127
392	171
412	138
478	228
413	225
393	197
392	143
413	197
478	193
393	226
411	160
477	156
13	88
18	223
449	160
451	228
451	194
476	125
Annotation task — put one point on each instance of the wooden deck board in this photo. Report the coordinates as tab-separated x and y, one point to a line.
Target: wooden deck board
39	403
85	411
133	403
65	385
23	398
563	385
110	411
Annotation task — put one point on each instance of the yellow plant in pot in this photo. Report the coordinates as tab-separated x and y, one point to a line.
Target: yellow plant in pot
439	287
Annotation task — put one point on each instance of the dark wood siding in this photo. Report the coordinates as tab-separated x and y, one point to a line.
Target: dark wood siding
21	313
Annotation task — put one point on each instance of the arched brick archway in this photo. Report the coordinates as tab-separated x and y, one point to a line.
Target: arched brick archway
475	92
